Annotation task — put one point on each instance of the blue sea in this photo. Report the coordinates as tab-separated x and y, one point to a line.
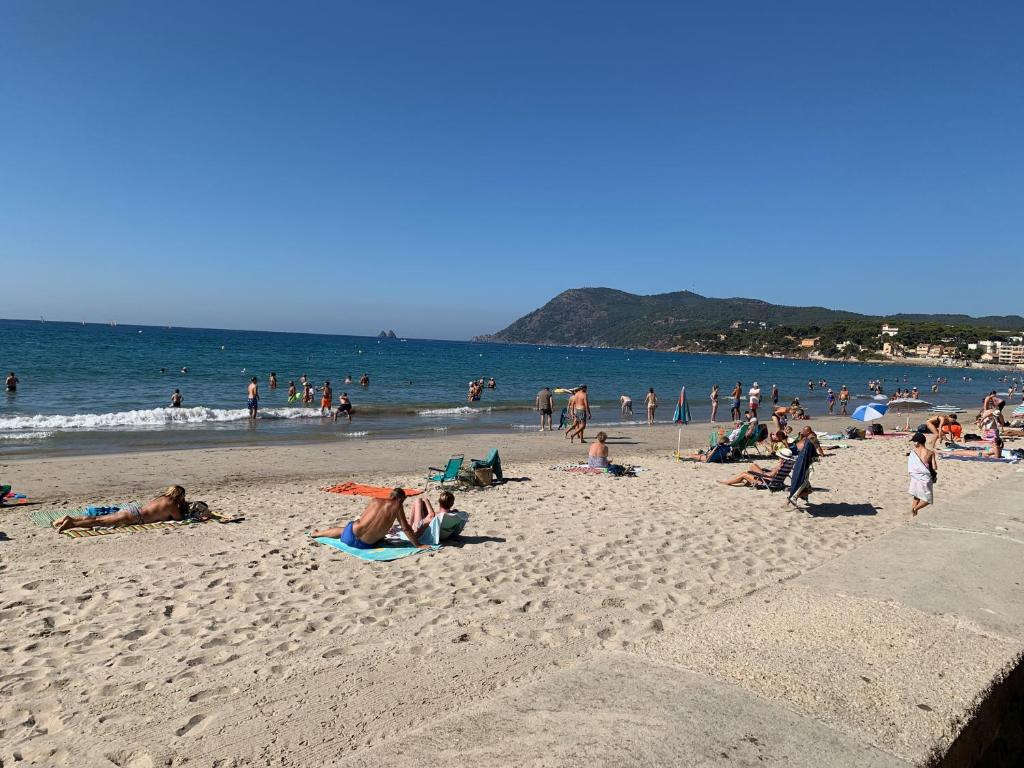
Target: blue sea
98	388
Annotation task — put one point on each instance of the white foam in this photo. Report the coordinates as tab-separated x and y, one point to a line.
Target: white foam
154	417
464	409
26	436
354	434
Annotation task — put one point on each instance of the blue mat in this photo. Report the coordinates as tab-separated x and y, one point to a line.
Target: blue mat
379	554
1004	459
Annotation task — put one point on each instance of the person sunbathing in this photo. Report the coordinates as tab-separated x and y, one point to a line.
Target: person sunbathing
170	505
369	530
597	455
808	434
757	475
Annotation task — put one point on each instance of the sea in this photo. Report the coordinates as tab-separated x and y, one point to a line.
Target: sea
96	388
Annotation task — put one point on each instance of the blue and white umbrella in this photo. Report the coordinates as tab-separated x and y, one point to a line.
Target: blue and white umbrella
870	412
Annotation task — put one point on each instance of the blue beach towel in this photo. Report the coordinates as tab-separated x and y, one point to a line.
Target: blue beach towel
379	554
1003	460
800	478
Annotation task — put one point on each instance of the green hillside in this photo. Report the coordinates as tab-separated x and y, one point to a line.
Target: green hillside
611	318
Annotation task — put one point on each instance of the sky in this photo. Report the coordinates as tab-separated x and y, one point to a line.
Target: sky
443	168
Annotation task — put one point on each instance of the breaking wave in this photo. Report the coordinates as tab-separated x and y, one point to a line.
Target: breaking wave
153	417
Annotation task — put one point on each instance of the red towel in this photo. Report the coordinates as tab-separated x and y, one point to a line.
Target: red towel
373	491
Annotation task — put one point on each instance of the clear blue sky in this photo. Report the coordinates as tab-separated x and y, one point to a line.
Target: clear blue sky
442	168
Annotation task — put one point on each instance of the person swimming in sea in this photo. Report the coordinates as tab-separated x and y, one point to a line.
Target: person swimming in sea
176	399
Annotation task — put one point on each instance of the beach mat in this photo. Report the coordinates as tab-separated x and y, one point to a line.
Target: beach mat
377	554
45	518
990	459
372	491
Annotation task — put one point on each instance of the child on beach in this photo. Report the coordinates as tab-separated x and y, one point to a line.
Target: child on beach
423	514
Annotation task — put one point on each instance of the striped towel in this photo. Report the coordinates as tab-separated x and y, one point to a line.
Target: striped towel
45	518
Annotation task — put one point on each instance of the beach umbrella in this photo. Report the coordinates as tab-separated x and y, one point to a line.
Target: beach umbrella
681	415
870	412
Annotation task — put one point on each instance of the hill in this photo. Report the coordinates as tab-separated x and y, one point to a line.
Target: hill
604	317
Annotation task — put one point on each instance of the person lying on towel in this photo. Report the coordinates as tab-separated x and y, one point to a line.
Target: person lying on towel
369	530
170	505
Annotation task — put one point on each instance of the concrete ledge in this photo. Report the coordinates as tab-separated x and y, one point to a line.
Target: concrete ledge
619	710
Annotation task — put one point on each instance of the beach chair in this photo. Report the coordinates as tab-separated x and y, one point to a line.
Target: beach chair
450	474
778	481
493	461
738	444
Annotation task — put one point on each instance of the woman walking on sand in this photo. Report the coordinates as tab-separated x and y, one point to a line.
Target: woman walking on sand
652	403
923	472
714	403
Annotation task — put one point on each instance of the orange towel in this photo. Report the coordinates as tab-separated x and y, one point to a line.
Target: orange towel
374	492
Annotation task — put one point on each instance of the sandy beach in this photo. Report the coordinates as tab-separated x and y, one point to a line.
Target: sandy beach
249	644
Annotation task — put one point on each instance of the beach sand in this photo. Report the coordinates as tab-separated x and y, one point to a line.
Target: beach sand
248	644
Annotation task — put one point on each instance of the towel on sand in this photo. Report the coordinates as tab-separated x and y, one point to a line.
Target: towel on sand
44	519
373	491
379	554
1003	460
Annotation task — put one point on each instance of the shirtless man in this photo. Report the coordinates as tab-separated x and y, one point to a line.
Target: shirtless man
737	393
844	398
253	398
364	380
170	505
344	406
326	400
580	407
626	406
272	381
12	382
176	399
373	525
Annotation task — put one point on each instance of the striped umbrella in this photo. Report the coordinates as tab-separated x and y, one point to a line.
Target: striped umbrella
870	412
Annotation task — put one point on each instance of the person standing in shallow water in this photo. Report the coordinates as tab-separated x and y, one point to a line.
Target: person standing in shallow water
253	398
12	382
651	401
714	402
272	381
737	393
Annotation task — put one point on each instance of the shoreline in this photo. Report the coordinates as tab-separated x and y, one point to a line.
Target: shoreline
282	463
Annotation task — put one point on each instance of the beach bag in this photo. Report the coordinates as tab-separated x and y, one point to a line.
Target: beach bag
876	429
852	433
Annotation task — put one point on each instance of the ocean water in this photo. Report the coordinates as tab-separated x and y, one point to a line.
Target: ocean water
97	388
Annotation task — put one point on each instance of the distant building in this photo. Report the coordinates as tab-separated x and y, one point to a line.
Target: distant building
808	343
1011	354
949	350
890	330
892	349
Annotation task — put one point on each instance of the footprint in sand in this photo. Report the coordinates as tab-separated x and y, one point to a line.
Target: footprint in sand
192	724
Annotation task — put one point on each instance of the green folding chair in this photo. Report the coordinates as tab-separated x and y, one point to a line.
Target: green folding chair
450	474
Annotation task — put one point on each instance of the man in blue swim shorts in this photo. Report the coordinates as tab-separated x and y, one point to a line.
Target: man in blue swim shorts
373	525
253	399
